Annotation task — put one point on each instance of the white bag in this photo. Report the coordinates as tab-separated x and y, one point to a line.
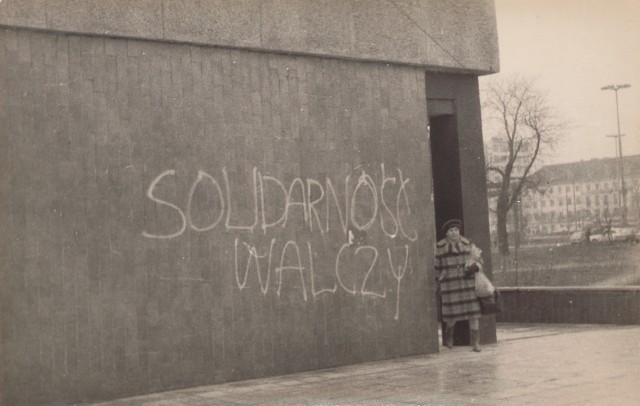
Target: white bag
484	287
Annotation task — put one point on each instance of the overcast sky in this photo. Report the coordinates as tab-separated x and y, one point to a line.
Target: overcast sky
573	48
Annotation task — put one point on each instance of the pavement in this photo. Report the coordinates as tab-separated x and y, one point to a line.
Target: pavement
532	364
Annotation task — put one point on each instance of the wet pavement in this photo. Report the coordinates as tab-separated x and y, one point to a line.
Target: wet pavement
532	364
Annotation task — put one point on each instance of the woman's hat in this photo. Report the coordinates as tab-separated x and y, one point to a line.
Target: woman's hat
452	223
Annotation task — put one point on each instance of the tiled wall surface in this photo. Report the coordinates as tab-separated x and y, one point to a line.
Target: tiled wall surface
178	215
570	305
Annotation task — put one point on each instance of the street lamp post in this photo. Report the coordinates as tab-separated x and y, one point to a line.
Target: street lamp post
623	190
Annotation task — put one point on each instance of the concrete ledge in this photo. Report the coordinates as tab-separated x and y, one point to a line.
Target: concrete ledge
440	34
601	305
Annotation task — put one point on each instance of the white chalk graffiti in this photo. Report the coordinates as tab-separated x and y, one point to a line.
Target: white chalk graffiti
152	186
291	250
202	175
402	191
364	181
313	282
399	274
255	203
254	258
363	289
298	194
314	205
386	179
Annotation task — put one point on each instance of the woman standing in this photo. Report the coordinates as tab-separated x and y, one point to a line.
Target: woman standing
457	283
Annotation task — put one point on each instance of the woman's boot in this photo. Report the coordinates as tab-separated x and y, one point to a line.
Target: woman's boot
447	336
475	340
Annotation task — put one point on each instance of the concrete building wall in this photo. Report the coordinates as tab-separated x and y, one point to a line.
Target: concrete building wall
198	195
173	215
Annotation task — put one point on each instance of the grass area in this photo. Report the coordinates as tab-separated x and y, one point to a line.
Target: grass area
569	265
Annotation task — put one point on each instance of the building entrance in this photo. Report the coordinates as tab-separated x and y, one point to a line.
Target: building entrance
447	185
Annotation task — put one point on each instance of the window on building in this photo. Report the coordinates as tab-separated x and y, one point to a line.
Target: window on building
569	200
589	187
588	201
550	202
543	203
606	185
577	199
597	186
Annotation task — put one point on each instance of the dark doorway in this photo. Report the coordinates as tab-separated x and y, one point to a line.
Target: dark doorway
445	160
447	185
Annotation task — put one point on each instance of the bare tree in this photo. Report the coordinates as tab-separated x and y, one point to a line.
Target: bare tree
518	114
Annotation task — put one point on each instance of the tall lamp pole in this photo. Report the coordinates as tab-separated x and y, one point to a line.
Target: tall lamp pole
623	190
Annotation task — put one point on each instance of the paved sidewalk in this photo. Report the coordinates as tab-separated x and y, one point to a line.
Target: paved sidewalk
541	364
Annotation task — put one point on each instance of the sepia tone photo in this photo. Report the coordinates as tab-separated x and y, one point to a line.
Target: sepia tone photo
337	202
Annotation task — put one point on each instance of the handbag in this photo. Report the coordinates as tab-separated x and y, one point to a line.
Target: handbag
483	286
439	304
491	304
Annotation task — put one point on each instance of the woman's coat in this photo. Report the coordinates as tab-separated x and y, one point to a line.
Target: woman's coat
459	301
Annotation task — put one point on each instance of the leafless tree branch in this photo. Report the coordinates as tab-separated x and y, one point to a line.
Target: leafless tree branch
527	129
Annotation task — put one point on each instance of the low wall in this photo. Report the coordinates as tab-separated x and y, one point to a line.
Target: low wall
609	305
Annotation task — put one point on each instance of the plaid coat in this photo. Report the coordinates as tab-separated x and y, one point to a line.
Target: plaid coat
459	301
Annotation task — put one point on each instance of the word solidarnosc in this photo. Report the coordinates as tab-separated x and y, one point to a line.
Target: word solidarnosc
312	196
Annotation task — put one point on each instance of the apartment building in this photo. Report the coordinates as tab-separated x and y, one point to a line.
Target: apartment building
575	195
497	154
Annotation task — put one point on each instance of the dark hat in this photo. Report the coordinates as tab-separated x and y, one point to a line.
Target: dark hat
451	223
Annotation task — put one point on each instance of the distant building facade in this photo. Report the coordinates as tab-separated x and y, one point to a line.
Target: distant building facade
497	154
576	195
